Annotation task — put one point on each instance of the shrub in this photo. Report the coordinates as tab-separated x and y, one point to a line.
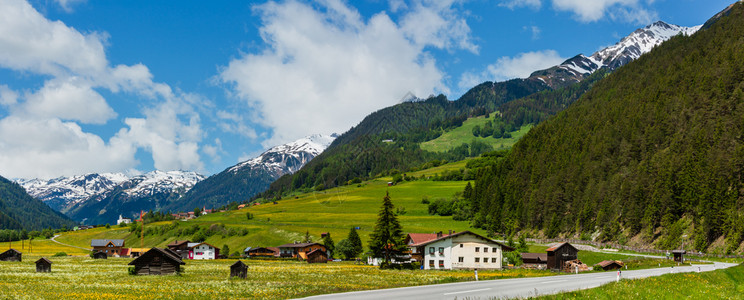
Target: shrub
597	268
132	271
59	254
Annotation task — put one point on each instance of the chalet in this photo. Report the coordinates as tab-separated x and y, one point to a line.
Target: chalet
610	265
300	250
110	247
100	255
203	251
11	255
461	250
262	252
43	265
559	254
535	260
157	261
180	247
418	238
317	256
123	220
679	255
239	269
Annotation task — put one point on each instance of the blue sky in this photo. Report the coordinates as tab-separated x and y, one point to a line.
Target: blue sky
133	86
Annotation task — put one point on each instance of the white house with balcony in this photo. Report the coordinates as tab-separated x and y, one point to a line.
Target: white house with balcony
459	250
203	251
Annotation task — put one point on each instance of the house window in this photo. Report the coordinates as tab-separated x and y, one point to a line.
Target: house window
485	260
460	245
431	250
441	263
441	250
495	249
485	249
493	259
477	259
477	249
431	263
460	259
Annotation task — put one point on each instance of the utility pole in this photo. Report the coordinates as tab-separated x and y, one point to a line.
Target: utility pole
142	233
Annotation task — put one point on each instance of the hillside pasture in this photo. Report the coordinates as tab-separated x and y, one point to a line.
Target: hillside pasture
464	134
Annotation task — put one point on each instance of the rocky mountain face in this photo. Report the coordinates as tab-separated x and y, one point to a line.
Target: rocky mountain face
628	49
63	193
246	179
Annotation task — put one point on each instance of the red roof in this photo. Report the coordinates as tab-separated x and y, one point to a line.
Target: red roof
416	238
556	247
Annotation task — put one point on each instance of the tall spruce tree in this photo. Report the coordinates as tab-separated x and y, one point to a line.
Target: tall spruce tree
328	242
356	241
387	238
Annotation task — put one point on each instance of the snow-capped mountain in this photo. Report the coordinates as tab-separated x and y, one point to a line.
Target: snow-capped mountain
99	198
246	179
628	49
290	157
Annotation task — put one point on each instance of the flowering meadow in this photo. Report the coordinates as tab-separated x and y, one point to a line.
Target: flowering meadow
86	278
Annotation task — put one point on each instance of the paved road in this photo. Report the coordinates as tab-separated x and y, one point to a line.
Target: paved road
513	288
58	242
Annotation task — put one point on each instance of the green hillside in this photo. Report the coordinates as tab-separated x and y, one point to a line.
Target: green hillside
18	210
464	134
653	152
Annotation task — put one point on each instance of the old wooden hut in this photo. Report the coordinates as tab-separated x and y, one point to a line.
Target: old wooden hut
11	255
535	260
560	254
100	255
239	269
262	252
610	265
679	255
317	256
157	261
43	265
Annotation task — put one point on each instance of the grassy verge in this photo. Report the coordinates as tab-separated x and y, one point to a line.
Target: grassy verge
719	284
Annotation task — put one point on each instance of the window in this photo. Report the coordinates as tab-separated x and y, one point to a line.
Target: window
441	250
495	249
431	250
461	259
493	259
485	260
477	249
460	245
431	263
441	263
485	249
477	259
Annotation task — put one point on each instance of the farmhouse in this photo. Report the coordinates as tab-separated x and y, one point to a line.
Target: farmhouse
110	247
43	265
11	255
559	254
203	251
180	247
300	250
461	250
317	256
157	262
535	260
418	238
261	252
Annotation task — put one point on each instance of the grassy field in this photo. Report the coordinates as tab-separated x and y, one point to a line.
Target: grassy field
334	210
42	247
85	278
464	134
719	284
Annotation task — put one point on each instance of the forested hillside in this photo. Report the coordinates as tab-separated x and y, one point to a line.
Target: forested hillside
654	152
18	210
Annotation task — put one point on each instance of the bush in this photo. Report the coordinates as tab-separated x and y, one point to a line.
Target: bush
597	268
425	200
59	254
132	271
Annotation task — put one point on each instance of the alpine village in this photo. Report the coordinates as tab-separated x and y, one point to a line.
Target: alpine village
615	175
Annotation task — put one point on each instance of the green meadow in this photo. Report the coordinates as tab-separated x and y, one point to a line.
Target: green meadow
464	134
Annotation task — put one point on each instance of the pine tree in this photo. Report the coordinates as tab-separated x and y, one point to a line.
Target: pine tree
328	242
387	237
308	239
356	242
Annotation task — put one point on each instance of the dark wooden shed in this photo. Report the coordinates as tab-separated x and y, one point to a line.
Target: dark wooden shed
239	269
11	255
157	262
560	254
317	256
100	255
43	265
610	265
679	255
535	260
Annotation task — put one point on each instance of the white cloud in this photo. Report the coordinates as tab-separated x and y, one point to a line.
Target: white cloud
324	70
593	10
69	99
511	4
8	97
520	66
67	4
534	30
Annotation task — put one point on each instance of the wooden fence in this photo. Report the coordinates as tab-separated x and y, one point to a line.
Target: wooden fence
628	248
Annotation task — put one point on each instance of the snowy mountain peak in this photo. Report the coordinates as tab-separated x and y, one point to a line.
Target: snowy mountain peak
162	182
290	157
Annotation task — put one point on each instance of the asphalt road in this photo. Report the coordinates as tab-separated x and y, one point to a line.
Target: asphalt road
514	288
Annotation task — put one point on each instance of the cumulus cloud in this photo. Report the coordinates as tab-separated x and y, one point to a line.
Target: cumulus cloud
41	134
593	10
520	66
511	4
324	69
67	4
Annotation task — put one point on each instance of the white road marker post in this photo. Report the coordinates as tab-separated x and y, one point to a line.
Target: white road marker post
476	274
618	276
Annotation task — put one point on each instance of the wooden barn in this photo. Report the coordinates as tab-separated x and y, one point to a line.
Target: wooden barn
43	265
11	255
317	256
535	260
679	255
610	265
100	255
559	254
180	247
239	269
157	262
